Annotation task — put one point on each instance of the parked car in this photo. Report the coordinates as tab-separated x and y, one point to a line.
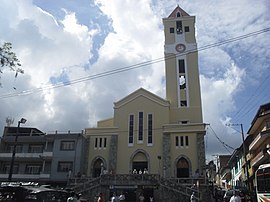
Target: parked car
31	194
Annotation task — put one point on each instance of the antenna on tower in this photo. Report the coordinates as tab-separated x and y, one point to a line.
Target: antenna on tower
9	121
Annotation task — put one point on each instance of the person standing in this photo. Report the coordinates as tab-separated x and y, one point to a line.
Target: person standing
72	197
101	198
192	197
235	197
114	198
122	197
134	171
141	198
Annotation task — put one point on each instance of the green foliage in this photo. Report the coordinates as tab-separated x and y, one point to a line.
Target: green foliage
9	59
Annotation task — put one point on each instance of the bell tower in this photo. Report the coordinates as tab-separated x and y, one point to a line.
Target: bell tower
181	63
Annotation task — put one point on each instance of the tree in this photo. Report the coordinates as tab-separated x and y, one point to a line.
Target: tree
9	59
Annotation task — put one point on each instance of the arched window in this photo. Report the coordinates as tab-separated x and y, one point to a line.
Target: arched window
139	162
97	167
182	167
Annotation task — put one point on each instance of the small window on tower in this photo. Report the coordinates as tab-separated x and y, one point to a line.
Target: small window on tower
96	143
181	64
182	141
105	142
184	122
179	29
178	15
183	103
186	28
187	141
171	30
100	142
182	82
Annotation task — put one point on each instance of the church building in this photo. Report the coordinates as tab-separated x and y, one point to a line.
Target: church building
147	133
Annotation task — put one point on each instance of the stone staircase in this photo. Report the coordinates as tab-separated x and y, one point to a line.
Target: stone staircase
166	189
177	191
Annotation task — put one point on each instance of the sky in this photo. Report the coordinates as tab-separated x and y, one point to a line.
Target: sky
78	59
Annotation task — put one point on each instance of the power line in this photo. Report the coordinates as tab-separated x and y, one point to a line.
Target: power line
246	107
131	67
226	146
253	106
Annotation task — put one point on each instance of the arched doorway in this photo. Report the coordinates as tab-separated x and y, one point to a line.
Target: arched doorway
139	162
98	167
182	167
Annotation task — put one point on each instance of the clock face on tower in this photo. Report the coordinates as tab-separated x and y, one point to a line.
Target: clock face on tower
180	48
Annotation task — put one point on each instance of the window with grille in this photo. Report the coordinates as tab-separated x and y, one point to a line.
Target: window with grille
140	131
150	129
6	168
32	169
35	149
67	145
64	166
131	129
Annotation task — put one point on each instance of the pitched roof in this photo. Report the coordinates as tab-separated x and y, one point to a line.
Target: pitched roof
178	10
263	110
144	93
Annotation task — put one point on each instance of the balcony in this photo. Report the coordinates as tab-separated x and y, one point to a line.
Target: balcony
258	159
260	138
27	155
226	174
24	177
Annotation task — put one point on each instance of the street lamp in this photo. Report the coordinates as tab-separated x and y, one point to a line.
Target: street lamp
14	149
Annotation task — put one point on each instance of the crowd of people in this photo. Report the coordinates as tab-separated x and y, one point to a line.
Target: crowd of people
145	171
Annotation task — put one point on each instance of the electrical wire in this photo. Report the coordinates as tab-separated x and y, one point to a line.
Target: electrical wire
252	107
247	107
131	67
226	146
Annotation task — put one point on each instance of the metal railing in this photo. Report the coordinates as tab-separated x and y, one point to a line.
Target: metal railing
183	186
130	179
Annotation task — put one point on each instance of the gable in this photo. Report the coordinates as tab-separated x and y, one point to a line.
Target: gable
141	102
141	94
178	10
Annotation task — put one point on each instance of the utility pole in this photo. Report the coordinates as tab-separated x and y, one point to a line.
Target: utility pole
245	156
244	152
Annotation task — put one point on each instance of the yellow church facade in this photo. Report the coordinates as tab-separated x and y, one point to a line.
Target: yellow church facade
147	133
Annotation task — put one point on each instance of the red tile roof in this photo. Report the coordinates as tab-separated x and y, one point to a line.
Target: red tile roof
178	10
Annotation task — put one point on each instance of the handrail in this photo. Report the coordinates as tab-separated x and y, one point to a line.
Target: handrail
173	184
88	185
184	186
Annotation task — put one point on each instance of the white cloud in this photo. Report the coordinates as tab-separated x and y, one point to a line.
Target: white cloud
45	49
218	94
